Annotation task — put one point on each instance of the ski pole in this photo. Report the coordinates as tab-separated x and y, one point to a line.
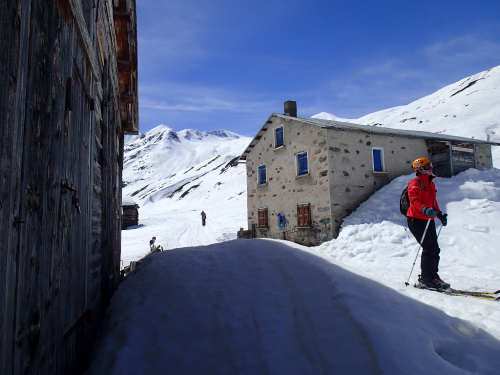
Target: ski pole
439	231
415	261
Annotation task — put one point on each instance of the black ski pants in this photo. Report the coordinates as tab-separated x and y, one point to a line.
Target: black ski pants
429	263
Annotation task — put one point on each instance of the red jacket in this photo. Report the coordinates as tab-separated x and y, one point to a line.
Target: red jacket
421	197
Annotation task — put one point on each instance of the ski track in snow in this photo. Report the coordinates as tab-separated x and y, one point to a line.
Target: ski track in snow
172	229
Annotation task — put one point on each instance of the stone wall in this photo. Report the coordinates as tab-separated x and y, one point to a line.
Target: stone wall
284	190
483	156
352	179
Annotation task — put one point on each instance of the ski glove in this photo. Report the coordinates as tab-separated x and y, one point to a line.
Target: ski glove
443	218
429	211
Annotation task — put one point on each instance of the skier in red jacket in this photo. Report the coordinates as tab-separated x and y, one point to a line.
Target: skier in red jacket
424	207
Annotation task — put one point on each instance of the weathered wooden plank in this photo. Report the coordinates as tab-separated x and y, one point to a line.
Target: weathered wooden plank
77	12
127	98
124	66
15	29
122	16
52	270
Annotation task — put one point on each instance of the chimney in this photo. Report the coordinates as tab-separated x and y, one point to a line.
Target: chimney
291	108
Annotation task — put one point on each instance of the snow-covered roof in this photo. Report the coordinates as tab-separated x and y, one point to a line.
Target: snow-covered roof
368	129
127	201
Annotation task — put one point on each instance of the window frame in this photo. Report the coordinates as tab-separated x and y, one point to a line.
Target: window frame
304	209
262	218
281	220
276	146
297	162
259	180
382	161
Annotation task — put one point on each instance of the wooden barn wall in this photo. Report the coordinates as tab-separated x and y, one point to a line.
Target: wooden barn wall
59	121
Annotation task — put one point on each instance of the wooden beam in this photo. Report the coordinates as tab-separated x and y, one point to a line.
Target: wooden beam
119	15
124	65
82	80
127	98
127	126
69	96
76	9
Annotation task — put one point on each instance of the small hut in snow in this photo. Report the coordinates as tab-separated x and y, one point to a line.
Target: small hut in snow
130	212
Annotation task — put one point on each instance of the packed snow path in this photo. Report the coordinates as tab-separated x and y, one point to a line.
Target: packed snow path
185	225
262	307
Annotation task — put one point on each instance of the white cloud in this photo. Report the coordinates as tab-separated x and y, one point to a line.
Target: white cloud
468	47
195	99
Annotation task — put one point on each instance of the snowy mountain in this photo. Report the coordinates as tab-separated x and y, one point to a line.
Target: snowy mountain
173	176
468	108
166	165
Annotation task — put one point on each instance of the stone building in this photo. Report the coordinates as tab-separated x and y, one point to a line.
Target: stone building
305	175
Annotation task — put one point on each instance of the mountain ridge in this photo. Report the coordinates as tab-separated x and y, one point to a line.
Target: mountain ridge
163	165
468	108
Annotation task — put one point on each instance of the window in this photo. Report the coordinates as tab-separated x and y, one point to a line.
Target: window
262	174
378	159
278	135
302	168
281	220
263	217
304	215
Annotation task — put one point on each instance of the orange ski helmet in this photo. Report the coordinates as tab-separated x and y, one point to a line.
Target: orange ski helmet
420	162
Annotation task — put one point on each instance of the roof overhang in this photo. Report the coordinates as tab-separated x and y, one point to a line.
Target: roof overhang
367	129
258	136
125	19
370	129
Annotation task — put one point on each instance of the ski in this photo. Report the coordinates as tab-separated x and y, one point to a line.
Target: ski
490	296
474	293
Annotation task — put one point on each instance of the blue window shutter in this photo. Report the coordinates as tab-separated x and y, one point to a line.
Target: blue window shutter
262	174
377	161
279	136
302	164
281	220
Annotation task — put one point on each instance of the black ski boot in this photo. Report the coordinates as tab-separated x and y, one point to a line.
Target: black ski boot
445	285
431	284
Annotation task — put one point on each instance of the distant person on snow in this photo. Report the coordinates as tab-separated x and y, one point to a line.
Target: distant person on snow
424	207
203	218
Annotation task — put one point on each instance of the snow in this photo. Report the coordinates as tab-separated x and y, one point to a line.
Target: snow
270	306
127	201
174	176
467	108
211	304
261	306
374	238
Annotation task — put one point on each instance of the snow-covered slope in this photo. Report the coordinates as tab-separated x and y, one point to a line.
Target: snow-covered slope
173	176
262	307
164	167
467	108
274	307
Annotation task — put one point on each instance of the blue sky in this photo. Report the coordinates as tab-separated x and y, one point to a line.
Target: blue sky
224	64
